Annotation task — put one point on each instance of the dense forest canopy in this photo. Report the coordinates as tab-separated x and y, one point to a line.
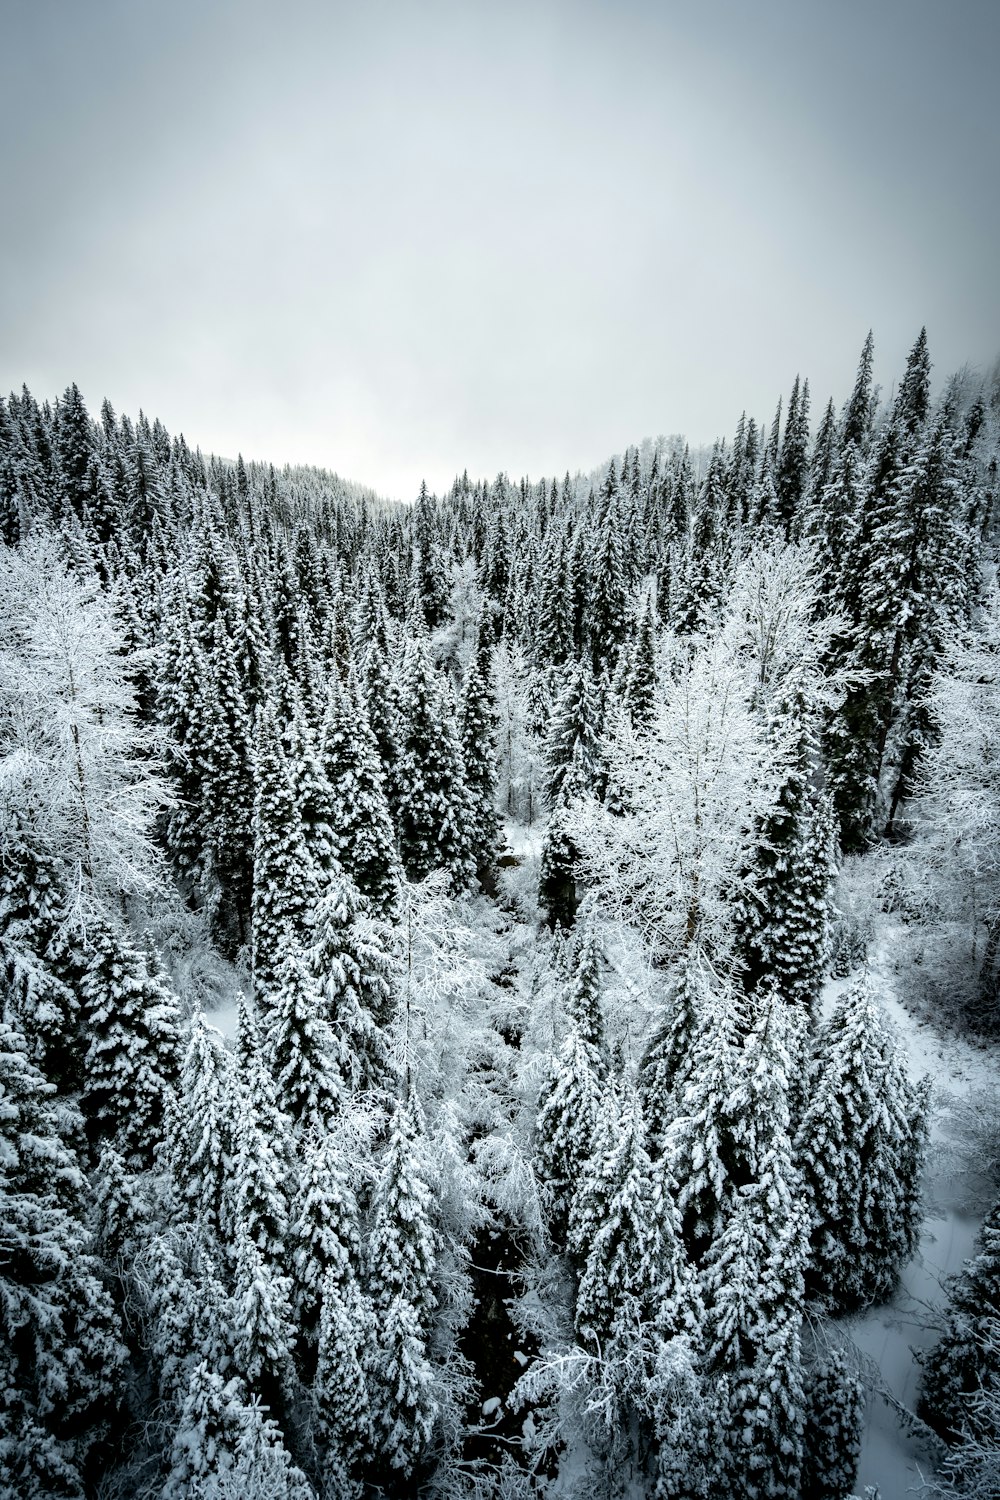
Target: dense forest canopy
418	1066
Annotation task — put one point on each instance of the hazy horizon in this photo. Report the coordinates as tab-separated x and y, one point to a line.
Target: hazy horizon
404	243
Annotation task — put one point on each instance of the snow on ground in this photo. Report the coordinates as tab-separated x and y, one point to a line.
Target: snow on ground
956	1195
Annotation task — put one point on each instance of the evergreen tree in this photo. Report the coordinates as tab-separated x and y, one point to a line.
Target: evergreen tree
366	840
860	1147
570	1097
351	964
204	1445
201	1129
302	1050
262	1318
479	756
966	1359
401	1262
835	1404
574	734
285	882
132	1026
60	1355
344	1419
434	811
625	1234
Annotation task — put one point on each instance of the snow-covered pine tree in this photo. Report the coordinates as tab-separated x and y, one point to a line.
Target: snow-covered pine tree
351	962
207	1434
132	1028
302	1050
753	1277
573	738
478	725
343	1422
434	811
61	1358
966	1359
366	839
860	1148
262	1320
285	881
625	1233
201	1130
401	1258
833	1430
570	1097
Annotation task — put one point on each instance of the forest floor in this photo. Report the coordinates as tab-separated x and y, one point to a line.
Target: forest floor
959	1187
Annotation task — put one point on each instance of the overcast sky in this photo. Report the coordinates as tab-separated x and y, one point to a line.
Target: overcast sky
400	240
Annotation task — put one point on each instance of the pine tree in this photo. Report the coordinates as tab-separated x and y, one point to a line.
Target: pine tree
201	1129
285	883
205	1443
479	756
351	963
860	1148
60	1354
666	1061
574	734
401	1262
131	1023
625	1233
966	1358
570	1098
786	923
262	1319
753	1276
302	1050
434	811
323	1236
366	840
835	1404
344	1418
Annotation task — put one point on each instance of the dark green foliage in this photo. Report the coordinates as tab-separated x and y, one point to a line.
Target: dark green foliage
966	1359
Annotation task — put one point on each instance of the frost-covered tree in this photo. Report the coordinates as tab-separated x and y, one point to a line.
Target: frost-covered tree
625	1233
301	1048
132	1027
860	1147
285	879
401	1256
433	808
202	1127
61	1357
366	841
77	764
834	1414
966	1359
351	963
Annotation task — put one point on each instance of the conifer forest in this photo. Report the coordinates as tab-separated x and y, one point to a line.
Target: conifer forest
480	975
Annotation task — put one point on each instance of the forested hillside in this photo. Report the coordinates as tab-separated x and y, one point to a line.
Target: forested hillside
415	1076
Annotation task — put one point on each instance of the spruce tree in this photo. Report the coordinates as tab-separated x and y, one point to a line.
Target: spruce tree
434	811
61	1358
570	1098
833	1430
131	1023
478	726
351	963
966	1358
201	1131
860	1148
302	1049
366	839
401	1263
285	882
574	734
